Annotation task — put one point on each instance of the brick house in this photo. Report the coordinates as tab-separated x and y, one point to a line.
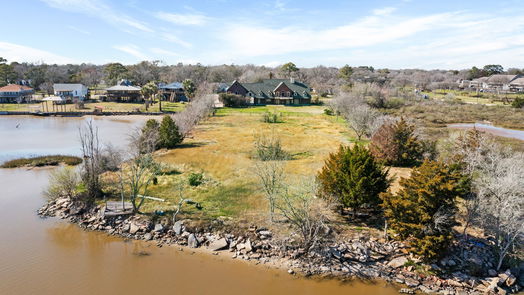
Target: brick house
273	91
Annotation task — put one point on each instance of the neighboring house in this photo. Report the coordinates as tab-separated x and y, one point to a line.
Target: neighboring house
70	91
500	82
273	91
124	92
478	83
16	93
172	92
462	83
517	85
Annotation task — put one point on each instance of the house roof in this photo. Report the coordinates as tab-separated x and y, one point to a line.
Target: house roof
173	86
266	88
518	81
15	88
500	78
123	88
480	80
67	86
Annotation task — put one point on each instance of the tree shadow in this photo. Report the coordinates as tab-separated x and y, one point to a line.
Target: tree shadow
191	145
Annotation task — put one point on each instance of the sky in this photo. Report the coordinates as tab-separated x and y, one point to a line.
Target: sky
384	34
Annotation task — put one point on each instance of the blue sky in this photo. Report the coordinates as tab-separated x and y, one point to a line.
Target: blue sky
384	34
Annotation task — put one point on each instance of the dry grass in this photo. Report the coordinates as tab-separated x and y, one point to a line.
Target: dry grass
222	148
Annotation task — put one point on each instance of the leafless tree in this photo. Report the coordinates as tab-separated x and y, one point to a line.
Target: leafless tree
200	108
91	153
271	178
497	200
303	211
135	177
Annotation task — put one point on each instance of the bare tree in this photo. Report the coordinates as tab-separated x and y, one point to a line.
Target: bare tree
135	177
271	177
91	152
200	108
303	211
497	200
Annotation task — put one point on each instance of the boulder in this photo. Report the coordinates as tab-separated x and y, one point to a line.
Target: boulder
398	262
217	245
158	228
192	241
248	246
492	272
177	227
133	228
411	282
148	236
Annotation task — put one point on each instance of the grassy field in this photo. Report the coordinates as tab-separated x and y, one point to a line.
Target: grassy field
222	149
472	97
89	107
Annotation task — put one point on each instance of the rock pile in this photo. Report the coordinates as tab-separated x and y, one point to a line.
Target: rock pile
363	258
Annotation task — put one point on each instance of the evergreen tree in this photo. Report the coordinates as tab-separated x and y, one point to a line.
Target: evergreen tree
169	136
397	145
423	211
353	177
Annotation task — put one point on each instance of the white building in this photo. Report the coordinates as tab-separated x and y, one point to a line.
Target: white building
70	91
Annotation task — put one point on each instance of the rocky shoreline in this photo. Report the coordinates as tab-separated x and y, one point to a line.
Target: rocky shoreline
364	258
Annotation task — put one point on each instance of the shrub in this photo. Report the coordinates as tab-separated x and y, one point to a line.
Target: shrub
422	212
63	183
269	148
233	101
397	145
353	177
272	117
518	103
169	136
195	179
329	112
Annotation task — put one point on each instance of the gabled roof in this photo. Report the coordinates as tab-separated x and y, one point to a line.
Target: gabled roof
123	88
266	88
172	86
518	81
15	88
67	86
500	78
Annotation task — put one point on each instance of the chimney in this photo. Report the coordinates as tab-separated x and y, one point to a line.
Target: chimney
292	80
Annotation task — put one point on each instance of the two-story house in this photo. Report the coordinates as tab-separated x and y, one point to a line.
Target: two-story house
273	91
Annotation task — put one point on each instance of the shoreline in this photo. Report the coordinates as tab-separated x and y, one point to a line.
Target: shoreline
365	259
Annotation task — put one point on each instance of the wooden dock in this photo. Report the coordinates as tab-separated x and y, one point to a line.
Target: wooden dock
116	209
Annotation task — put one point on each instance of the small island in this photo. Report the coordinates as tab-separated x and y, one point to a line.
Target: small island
41	161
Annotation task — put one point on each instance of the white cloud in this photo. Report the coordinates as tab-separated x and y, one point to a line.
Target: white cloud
174	39
99	9
21	53
369	31
384	11
132	50
79	30
183	19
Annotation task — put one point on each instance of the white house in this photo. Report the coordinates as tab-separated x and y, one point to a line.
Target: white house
70	91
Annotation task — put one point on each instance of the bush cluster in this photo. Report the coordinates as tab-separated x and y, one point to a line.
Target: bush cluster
272	117
233	100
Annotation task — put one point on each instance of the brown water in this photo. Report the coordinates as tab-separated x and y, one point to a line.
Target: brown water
50	256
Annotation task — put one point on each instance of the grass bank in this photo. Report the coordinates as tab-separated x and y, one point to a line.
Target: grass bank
41	161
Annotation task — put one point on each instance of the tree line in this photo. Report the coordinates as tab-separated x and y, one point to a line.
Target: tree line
324	79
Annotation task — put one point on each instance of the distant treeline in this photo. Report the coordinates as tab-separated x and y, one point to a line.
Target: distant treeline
42	76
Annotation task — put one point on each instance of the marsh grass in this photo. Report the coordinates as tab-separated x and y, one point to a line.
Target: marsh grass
41	161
